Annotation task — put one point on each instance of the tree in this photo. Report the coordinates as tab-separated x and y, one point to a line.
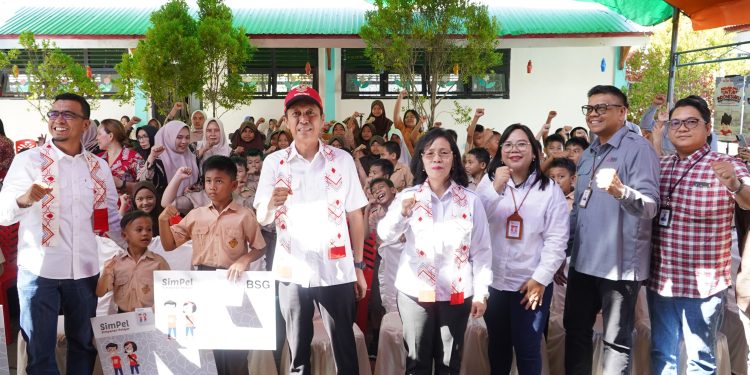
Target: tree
50	72
169	63
445	36
226	50
648	68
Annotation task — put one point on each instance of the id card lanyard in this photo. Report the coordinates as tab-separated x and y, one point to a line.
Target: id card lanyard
514	222
665	211
587	193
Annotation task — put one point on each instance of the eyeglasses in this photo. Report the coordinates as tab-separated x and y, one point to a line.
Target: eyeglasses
443	154
690	123
67	115
599	108
142	137
520	146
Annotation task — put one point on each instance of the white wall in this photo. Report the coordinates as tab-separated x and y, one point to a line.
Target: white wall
22	121
559	80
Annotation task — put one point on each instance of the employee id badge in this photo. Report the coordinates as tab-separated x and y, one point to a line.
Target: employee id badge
585	198
336	252
665	217
457	298
514	227
101	220
426	295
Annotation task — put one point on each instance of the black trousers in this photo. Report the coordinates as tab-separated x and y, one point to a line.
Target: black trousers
433	332
336	305
586	295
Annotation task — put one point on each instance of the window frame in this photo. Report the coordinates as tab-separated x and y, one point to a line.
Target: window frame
466	92
80	55
274	71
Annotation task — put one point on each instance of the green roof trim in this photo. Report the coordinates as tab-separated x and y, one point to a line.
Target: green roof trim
515	20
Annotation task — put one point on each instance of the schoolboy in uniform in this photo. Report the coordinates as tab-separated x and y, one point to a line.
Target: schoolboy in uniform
130	273
225	235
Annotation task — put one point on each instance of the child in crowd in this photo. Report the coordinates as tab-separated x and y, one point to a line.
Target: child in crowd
130	274
401	176
225	235
575	147
194	199
554	147
380	168
254	159
563	171
383	296
475	163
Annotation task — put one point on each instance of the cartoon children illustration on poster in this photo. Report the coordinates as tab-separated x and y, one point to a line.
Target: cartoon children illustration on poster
116	360
171	307
725	129
188	309
130	349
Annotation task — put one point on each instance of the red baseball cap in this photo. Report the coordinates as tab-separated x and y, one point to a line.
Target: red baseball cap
302	92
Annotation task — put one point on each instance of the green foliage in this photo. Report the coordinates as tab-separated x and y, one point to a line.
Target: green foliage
648	68
169	63
51	72
400	34
461	115
226	49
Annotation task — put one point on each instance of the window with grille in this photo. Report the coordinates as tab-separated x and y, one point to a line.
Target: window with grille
360	80
275	71
101	61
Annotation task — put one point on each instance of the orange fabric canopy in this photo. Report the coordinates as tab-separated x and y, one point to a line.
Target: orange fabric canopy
709	14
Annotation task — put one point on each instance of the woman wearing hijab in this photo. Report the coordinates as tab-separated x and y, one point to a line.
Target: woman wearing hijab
144	198
155	123
214	141
395	135
88	138
365	135
154	169
247	137
197	119
377	118
174	138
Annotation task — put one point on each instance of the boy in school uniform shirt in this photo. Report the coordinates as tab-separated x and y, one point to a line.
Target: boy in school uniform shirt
312	192
130	274
401	176
221	233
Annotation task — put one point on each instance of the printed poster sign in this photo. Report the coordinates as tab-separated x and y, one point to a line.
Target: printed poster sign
204	310
129	344
728	107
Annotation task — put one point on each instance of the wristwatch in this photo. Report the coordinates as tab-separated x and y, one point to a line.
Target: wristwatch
360	265
742	185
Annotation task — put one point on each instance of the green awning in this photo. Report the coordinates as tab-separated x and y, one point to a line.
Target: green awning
642	12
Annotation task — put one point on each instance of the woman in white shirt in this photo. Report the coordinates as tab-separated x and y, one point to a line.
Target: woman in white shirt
444	268
528	215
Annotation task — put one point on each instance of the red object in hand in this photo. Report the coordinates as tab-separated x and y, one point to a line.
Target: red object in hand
176	219
528	67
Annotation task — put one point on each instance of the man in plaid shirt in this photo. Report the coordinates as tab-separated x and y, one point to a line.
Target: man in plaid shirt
690	263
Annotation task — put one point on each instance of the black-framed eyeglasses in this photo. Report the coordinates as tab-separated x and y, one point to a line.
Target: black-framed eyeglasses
599	108
67	115
690	123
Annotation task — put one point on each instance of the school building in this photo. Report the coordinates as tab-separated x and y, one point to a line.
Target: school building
553	52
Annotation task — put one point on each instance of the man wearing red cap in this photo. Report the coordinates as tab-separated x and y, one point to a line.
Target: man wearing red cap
312	192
